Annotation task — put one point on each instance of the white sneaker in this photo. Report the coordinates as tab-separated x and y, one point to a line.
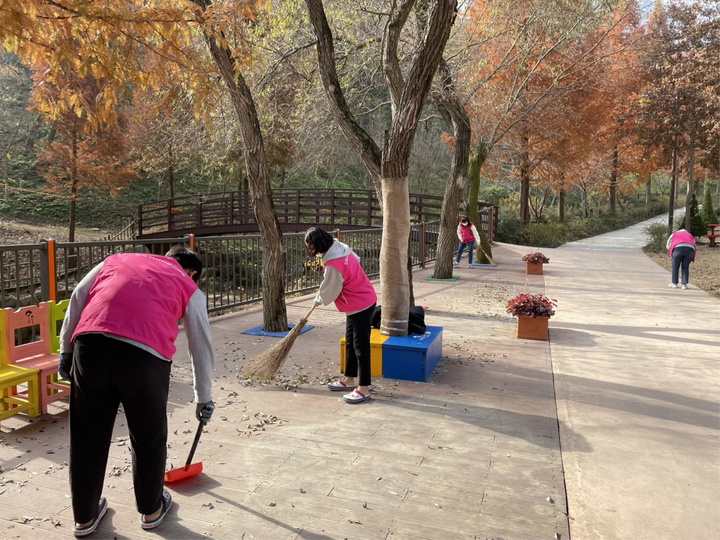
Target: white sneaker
456	264
469	265
672	285
684	287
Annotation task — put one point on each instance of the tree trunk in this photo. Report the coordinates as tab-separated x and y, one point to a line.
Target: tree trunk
613	182
73	187
524	180
561	204
690	182
170	173
273	257
388	167
455	115
673	184
476	163
393	256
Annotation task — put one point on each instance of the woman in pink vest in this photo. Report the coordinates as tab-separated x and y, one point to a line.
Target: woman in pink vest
467	235
346	284
116	347
681	248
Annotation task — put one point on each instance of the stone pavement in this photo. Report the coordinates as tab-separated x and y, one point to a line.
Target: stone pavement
607	430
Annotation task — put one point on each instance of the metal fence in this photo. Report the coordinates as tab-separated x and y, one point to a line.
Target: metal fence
232	274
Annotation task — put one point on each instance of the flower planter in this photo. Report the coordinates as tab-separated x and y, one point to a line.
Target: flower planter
532	327
533	267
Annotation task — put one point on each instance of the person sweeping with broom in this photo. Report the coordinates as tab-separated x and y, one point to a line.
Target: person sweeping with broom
345	284
117	342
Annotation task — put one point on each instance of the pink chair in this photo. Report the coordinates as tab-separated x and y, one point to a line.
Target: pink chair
13	378
27	344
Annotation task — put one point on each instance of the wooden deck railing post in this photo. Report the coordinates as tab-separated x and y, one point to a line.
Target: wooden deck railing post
48	277
169	215
140	219
190	239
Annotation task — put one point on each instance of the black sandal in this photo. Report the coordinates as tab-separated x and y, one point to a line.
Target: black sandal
90	527
166	504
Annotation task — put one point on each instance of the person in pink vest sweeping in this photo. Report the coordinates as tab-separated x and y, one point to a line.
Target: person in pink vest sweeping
116	347
467	236
346	284
681	248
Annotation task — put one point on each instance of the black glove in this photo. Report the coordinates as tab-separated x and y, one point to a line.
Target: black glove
204	411
65	365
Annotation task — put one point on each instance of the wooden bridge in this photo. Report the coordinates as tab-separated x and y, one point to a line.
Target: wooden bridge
231	212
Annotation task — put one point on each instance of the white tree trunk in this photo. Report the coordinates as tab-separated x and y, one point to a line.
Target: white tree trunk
394	286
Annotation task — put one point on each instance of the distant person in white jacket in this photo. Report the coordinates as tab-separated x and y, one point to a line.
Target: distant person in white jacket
467	235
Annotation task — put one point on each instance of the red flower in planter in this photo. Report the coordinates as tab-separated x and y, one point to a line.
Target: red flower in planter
532	305
535	258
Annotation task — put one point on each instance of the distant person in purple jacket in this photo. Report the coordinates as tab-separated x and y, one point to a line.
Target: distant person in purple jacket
681	248
346	284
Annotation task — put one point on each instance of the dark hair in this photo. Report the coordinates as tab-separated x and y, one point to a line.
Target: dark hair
317	241
465	218
188	259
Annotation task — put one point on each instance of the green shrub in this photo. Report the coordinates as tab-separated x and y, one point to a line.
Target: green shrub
658	234
697	224
550	234
708	213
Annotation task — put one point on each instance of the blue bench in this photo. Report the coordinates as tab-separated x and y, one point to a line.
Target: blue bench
412	357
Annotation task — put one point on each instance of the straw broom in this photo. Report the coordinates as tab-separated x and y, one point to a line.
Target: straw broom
267	364
487	256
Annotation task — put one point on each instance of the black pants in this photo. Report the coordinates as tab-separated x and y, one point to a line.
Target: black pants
357	345
106	373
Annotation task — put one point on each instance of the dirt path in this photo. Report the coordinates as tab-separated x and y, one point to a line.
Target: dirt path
19	232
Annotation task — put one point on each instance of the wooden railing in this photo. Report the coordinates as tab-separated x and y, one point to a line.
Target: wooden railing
232	274
232	212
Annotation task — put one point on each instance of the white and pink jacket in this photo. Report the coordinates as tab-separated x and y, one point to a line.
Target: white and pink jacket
345	282
680	238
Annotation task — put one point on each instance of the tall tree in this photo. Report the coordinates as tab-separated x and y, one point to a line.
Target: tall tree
681	104
145	45
388	163
78	157
529	55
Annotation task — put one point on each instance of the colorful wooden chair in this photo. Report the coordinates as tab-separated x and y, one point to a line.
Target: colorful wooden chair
56	310
32	350
14	378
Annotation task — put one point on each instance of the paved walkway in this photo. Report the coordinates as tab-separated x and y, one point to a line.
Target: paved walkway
637	375
608	430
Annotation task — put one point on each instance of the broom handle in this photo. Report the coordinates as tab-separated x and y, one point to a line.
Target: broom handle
489	258
194	445
307	315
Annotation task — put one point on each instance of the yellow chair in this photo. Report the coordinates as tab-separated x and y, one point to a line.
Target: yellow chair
56	310
11	379
35	352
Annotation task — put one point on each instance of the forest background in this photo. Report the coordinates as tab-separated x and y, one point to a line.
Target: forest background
573	117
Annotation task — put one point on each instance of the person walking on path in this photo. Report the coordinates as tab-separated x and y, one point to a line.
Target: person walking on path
681	248
467	235
345	283
117	342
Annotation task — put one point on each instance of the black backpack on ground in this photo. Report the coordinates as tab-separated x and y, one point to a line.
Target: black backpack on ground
416	320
